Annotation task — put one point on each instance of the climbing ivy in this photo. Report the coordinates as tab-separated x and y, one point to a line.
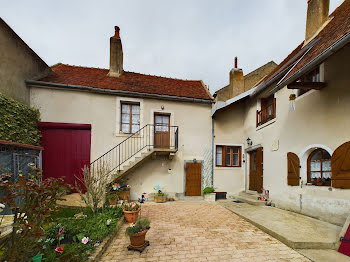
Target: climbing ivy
18	122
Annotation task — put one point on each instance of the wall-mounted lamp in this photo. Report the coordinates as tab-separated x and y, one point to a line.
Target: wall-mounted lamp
194	160
249	142
162	107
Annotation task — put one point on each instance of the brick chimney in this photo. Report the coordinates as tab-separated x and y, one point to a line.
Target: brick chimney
317	15
236	85
116	55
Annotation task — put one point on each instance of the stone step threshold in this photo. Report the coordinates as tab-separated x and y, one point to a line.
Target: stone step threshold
294	230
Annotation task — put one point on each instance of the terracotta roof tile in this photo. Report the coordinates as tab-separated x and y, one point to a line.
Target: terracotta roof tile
128	81
338	27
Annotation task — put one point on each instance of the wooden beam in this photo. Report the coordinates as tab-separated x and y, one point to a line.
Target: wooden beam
307	85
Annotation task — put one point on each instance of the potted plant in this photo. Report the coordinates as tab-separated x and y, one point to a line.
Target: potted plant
160	196
131	212
320	181
137	232
209	194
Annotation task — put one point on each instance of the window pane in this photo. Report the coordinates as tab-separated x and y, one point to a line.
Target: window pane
126	128
218	156
228	156
135	119
135	128
326	174
235	160
316	156
315	166
326	165
125	118
235	150
158	119
315	175
125	108
135	109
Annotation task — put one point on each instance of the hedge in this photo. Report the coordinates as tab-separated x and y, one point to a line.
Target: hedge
18	122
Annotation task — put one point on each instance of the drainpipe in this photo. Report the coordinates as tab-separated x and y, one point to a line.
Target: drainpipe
212	151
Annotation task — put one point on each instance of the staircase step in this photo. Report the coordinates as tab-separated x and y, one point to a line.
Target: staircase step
250	198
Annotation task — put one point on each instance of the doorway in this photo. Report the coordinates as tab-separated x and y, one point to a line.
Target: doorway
193	179
256	170
161	130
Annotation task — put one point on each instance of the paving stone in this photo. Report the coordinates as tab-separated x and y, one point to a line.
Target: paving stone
200	231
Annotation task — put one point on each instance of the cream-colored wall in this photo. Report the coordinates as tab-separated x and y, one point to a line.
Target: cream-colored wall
17	64
103	113
319	120
228	130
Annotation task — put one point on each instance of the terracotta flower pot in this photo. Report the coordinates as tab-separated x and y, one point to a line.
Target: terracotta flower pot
138	240
131	216
159	199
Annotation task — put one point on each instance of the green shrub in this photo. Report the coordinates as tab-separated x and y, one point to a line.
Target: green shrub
208	190
141	225
18	122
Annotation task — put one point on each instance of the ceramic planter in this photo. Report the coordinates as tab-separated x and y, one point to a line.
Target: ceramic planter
131	216
210	197
159	199
138	240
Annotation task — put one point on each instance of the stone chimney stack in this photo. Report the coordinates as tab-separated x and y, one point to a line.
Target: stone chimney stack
317	15
116	55
236	85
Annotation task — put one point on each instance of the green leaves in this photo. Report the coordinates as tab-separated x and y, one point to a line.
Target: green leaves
18	122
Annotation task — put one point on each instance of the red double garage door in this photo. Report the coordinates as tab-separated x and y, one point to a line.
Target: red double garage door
66	149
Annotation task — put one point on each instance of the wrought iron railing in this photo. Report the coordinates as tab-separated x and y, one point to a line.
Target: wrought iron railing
161	137
266	114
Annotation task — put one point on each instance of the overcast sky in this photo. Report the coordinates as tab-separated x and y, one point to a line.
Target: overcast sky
188	39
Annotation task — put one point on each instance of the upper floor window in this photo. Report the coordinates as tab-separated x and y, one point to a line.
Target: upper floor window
229	156
130	117
319	168
267	112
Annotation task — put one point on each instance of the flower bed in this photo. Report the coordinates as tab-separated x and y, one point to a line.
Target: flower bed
75	233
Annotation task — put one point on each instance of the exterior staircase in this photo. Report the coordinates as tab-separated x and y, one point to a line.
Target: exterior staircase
250	198
148	142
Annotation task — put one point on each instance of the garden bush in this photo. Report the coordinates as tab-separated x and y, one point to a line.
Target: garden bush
208	190
18	122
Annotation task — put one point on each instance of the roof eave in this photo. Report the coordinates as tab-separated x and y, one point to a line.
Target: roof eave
33	83
314	62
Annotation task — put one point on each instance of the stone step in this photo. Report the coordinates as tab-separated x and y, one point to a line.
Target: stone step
323	255
249	198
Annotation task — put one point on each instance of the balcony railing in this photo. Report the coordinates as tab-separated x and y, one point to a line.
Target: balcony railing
266	114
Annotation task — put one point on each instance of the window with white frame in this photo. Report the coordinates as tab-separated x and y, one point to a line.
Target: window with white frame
130	117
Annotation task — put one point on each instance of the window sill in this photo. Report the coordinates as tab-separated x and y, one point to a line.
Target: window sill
227	167
266	124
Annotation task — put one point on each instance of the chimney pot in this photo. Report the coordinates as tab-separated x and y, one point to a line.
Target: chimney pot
116	33
236	62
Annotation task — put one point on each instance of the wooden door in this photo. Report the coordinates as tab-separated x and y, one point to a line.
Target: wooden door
161	131
252	171
66	150
193	179
256	170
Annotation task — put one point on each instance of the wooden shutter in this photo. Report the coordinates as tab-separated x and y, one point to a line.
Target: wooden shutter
259	170
293	175
340	164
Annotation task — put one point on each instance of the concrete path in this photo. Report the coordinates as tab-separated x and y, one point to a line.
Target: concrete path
200	231
295	230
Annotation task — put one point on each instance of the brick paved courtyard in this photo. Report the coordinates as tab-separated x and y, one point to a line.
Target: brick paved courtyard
200	231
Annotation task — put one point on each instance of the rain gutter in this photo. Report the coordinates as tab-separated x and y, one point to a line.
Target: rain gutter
33	83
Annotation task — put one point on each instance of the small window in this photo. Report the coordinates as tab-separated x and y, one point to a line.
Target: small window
319	168
130	117
313	76
229	156
267	112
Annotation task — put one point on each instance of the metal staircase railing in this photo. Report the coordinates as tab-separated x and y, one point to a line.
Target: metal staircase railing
150	136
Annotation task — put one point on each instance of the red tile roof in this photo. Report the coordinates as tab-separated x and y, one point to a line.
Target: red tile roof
128	81
338	27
